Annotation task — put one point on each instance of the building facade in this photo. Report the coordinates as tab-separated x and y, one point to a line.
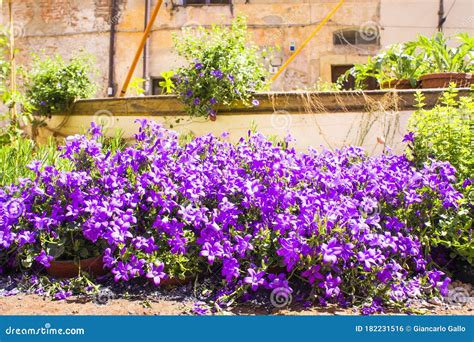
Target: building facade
111	30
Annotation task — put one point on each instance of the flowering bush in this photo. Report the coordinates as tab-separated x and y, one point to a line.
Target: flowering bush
223	67
343	226
446	133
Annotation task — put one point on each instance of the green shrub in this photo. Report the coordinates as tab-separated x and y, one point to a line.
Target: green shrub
15	156
446	133
222	67
53	84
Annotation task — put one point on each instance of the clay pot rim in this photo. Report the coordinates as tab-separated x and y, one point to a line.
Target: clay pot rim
394	83
455	75
64	262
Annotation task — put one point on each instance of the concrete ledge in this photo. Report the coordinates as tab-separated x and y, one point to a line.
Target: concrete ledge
300	102
313	119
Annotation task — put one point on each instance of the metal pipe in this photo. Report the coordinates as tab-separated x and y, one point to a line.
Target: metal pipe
441	17
316	30
13	111
113	31
140	48
146	49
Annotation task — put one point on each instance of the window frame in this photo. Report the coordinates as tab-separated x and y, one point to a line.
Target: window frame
206	3
339	40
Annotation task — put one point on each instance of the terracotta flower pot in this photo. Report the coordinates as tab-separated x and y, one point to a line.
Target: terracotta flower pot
70	269
176	281
397	84
442	80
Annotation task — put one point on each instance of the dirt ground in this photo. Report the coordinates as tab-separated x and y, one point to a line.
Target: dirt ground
38	305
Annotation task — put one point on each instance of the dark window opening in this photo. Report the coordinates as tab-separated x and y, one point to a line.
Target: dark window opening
339	70
206	2
354	37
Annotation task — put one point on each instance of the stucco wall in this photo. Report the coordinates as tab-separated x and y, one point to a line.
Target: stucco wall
64	26
403	20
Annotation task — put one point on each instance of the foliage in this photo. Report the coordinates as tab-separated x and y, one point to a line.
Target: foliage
446	133
323	86
167	83
136	86
442	57
223	67
53	83
9	97
4	65
339	226
413	59
20	152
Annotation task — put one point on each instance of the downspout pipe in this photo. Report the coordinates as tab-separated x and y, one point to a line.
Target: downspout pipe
441	17
146	50
111	89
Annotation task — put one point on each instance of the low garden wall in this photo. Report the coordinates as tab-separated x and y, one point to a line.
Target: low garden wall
330	119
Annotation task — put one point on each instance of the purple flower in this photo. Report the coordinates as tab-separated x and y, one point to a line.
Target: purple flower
44	259
212	101
217	74
331	251
197	101
331	285
211	251
409	137
230	269
200	309
61	295
254	279
313	274
156	274
198	66
255	102
370	258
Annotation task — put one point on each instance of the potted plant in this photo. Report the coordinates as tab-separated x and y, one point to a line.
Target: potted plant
73	254
396	67
400	67
447	64
223	67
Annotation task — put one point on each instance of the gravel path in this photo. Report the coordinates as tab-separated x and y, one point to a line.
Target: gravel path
138	299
